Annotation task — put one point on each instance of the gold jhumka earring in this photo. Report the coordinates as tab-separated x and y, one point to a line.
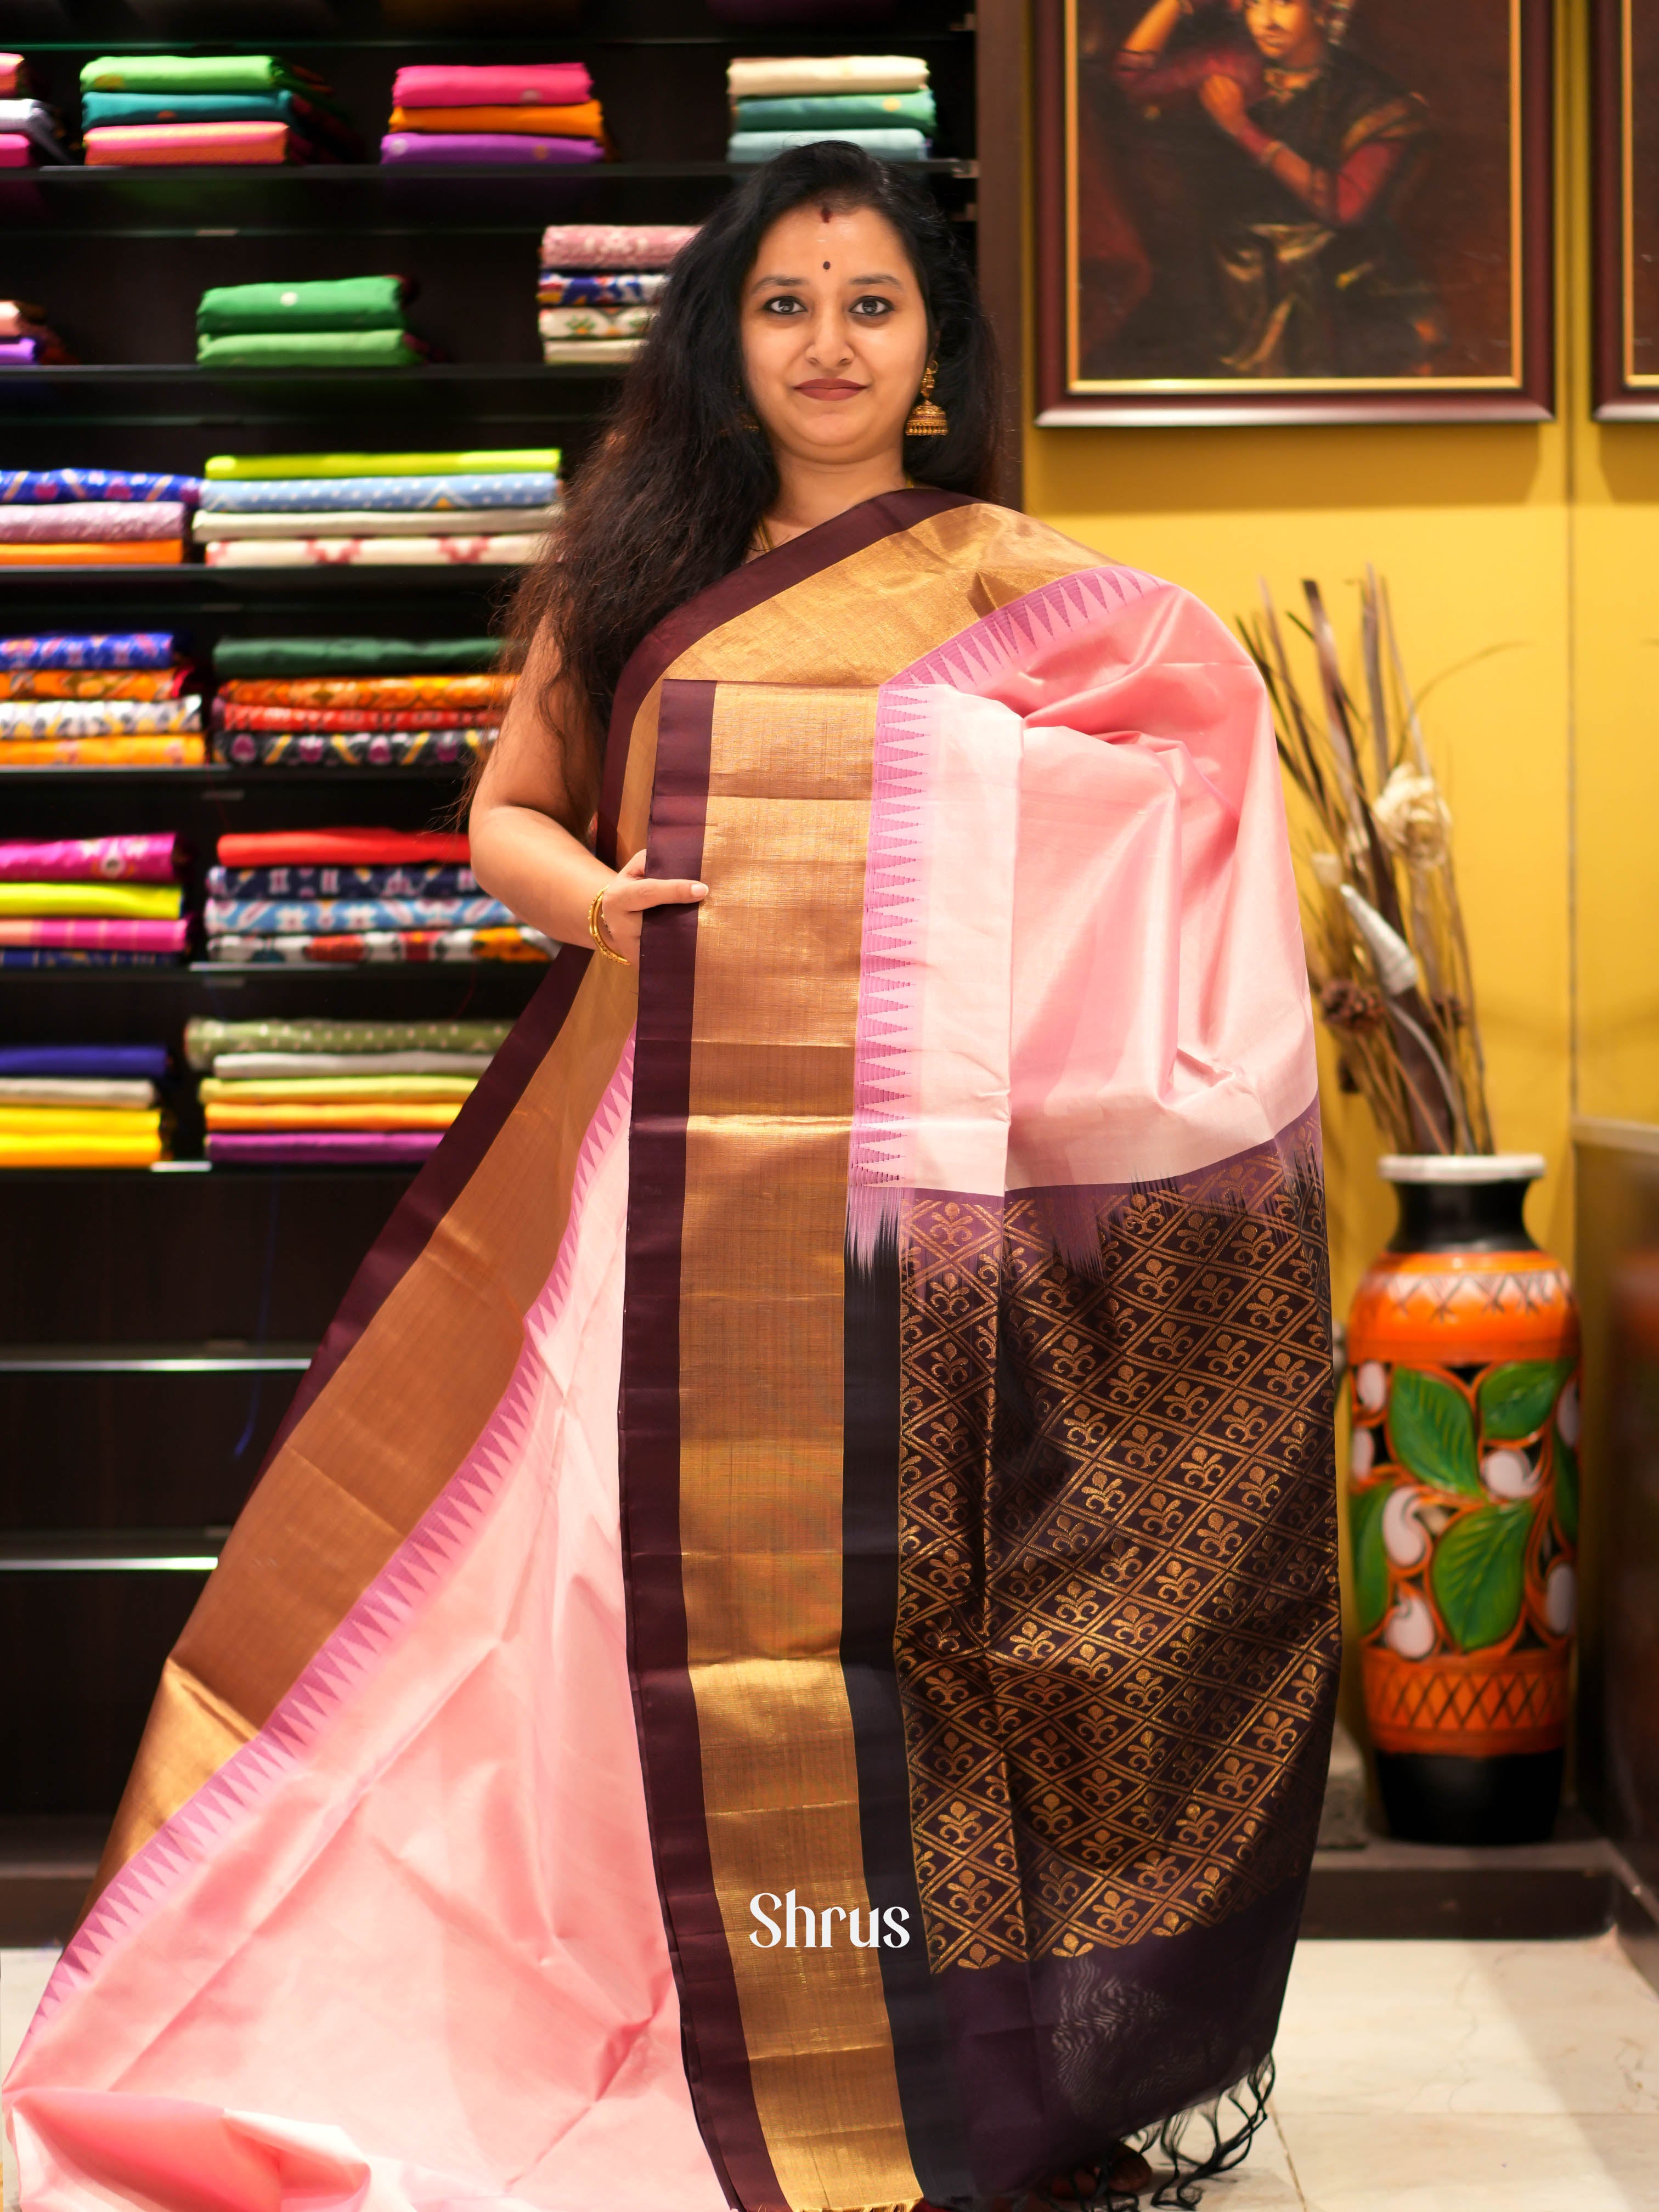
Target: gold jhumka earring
926	419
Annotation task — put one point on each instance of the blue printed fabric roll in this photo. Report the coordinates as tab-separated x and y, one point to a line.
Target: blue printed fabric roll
341	917
67	955
79	649
43	487
314	880
887	145
275	495
94	1060
589	288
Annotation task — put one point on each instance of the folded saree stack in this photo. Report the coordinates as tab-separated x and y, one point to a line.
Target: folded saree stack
516	115
79	518
82	700
355	702
180	110
336	1092
83	1106
91	902
356	897
881	102
345	510
599	288
31	132
24	334
337	322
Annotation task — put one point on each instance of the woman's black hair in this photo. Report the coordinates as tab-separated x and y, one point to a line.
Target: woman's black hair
669	499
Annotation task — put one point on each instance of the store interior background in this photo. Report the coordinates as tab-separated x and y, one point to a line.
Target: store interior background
1541	539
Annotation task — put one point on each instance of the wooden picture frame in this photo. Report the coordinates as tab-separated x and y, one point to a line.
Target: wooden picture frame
1624	212
1180	279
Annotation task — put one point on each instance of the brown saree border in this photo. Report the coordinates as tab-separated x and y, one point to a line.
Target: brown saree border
665	1712
441	1181
889	515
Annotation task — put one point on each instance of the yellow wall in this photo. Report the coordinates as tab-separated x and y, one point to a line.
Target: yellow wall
1540	538
1544	540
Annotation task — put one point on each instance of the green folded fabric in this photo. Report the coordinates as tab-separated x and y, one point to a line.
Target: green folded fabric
309	349
223	467
851	111
352	656
193	73
334	303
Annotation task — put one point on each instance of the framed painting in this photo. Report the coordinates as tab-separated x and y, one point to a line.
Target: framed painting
1625	217
1258	211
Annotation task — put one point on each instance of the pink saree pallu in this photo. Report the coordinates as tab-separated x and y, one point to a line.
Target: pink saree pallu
784	1654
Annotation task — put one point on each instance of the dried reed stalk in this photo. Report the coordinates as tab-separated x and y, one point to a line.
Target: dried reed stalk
1388	955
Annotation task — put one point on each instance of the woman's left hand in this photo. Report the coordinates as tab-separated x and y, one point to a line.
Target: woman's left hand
630	894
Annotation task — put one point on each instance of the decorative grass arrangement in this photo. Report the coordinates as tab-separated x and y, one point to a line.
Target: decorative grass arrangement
1388	958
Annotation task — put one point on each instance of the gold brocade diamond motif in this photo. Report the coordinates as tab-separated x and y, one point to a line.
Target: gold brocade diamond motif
1117	1628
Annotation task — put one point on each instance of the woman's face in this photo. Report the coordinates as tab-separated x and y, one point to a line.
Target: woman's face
1289	33
835	336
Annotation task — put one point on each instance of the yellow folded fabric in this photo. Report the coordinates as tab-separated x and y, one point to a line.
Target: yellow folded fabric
103	752
583	122
131	902
80	1151
342	1090
220	1116
59	1121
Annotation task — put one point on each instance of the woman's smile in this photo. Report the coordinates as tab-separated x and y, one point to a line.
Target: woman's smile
830	387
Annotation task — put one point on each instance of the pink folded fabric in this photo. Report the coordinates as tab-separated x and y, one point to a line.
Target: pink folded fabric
613	245
495	84
16	152
133	859
183	145
101	520
99	936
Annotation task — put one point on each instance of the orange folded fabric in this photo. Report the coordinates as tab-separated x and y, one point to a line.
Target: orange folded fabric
584	121
103	752
90	552
312	1115
189	145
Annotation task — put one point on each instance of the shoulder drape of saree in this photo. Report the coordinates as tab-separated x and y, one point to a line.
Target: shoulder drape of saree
939	1239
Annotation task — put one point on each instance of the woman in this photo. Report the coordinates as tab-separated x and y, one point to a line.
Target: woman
910	1202
1302	160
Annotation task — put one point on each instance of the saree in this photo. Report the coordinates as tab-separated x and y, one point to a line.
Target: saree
783	1655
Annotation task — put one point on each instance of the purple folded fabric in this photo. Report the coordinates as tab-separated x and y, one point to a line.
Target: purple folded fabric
16	350
416	149
325	1148
92	936
149	859
109	1060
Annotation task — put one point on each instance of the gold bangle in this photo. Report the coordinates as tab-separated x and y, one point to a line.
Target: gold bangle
597	933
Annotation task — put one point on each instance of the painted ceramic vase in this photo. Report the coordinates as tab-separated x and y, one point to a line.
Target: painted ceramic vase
1463	1504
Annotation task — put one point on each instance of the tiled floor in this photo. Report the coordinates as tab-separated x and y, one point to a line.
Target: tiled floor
1412	2077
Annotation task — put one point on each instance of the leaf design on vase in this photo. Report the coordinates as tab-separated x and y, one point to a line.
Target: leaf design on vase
1516	1399
1432	1431
1480	1572
1567	1488
1370	1561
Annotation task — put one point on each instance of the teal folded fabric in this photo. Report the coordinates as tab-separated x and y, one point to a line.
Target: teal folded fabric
174	73
888	145
309	349
334	303
303	111
829	113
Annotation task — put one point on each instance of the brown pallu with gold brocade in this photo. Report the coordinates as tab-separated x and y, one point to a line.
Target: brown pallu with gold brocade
960	1159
